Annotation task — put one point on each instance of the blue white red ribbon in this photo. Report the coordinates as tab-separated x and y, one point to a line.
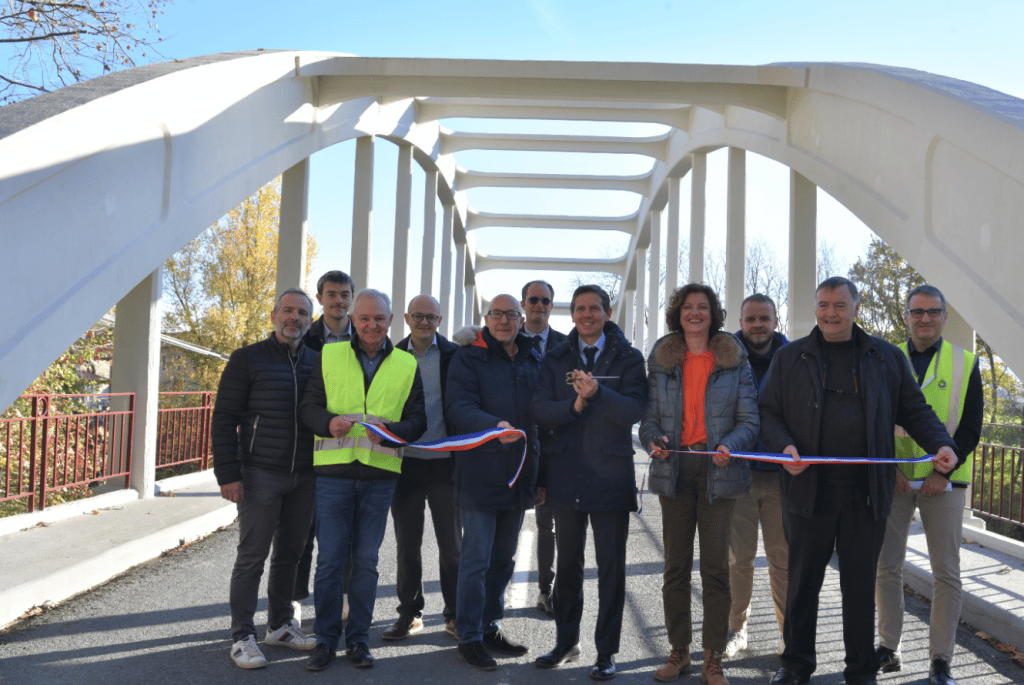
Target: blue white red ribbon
454	443
783	458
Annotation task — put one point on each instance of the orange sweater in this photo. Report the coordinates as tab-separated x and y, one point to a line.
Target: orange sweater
696	370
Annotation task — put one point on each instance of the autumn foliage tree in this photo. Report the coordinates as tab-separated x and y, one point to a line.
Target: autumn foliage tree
219	289
48	44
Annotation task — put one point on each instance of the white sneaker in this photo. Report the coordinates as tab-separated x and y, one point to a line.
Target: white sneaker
290	635
246	654
736	644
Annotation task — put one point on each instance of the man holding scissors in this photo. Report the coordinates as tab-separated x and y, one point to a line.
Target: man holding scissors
592	389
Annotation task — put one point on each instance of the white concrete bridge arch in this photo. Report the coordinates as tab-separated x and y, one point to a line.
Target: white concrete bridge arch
102	181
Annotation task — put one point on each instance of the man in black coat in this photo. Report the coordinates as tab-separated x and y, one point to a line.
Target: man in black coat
263	460
426	479
840	392
586	470
334	292
537	303
490	383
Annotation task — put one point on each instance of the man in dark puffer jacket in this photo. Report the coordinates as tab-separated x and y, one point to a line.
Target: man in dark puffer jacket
263	460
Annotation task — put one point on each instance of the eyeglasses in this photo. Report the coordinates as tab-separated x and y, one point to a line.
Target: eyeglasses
533	299
431	318
919	313
496	314
845	391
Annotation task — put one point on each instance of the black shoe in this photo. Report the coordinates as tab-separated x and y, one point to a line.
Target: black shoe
544	604
788	676
403	628
474	654
938	673
499	643
604	669
320	657
889	661
359	655
561	654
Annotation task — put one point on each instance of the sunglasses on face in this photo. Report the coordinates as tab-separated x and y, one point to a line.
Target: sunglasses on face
533	299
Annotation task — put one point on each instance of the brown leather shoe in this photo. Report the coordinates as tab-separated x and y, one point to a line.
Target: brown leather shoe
711	672
403	628
678	663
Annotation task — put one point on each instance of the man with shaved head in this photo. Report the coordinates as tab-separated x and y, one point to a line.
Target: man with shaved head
426	479
490	383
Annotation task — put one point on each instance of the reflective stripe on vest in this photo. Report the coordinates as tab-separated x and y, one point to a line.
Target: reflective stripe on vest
945	388
346	393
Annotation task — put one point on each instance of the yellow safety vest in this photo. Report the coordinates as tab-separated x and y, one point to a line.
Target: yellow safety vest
347	395
945	388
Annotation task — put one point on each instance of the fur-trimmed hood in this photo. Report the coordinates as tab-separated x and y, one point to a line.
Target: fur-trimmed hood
670	351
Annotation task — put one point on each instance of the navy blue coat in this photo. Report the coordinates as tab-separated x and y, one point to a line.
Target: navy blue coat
587	464
485	387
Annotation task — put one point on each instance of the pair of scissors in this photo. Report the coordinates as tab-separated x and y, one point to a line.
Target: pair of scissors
570	379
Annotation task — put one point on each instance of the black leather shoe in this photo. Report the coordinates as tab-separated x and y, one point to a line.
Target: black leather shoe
788	676
889	661
938	673
359	655
604	669
320	657
499	643
474	654
561	654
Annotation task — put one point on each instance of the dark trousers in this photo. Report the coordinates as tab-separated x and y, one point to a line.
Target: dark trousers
275	510
843	521
681	518
425	481
545	516
611	529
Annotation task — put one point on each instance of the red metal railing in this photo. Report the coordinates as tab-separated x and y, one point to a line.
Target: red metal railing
62	447
183	432
996	483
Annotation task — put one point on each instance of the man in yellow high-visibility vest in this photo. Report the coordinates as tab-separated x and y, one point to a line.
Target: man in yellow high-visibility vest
364	380
951	382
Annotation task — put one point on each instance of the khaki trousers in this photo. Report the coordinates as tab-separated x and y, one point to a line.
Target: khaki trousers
942	516
763	505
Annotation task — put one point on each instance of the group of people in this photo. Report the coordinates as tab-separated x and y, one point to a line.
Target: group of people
291	448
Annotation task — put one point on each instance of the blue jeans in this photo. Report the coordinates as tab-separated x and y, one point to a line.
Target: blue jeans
489	541
349	513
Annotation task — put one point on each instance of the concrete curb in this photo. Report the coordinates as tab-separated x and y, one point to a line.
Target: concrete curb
72	580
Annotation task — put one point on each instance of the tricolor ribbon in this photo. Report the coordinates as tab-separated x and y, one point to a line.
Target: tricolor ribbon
783	458
455	443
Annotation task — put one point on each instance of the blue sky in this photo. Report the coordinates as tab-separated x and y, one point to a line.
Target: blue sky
975	42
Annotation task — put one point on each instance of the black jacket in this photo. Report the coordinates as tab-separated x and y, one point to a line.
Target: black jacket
316	336
317	417
790	403
486	387
255	417
759	364
587	462
447	349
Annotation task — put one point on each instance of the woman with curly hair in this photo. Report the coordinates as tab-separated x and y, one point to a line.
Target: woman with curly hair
702	398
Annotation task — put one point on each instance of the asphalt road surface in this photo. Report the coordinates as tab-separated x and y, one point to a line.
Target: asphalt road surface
167	621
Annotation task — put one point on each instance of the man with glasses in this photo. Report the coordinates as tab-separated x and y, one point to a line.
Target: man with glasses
839	392
537	302
490	383
951	382
426	479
